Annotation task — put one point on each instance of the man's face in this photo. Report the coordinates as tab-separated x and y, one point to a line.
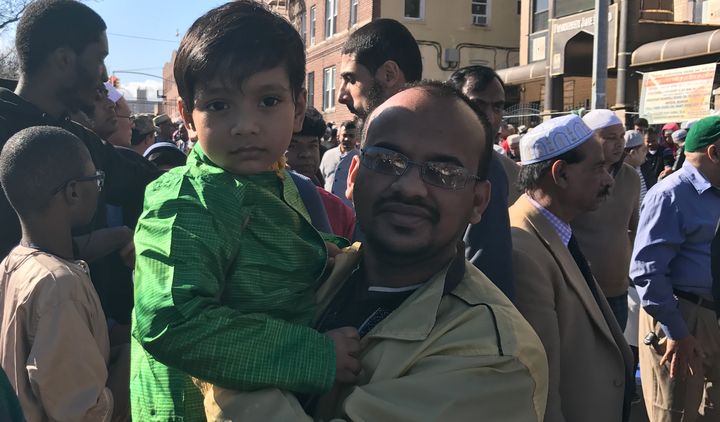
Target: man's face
303	154
515	148
587	181
88	193
668	138
123	133
89	75
347	139
491	100
104	117
641	129
402	216
247	130
651	141
167	129
637	156
612	139
359	90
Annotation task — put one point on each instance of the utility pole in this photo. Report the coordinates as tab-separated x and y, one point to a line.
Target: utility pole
600	55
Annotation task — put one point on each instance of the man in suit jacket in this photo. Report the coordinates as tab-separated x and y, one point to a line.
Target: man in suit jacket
590	362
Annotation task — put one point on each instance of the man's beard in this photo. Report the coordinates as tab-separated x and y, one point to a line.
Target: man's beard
375	97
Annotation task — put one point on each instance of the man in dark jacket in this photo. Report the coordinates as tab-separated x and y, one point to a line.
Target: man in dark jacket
659	159
61	46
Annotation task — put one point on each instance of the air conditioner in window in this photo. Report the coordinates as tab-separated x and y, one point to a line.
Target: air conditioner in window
480	20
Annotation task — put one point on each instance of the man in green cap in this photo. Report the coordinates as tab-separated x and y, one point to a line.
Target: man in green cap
680	358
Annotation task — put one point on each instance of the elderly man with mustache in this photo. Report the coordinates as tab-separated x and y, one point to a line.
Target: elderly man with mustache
564	175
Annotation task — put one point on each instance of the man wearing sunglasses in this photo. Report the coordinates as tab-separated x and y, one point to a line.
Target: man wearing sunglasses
439	341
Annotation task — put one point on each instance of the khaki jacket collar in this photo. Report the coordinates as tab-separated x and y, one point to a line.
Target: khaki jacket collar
412	321
523	208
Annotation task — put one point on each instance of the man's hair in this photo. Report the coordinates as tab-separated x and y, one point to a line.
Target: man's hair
531	174
441	90
313	124
641	122
47	25
137	138
383	40
234	42
36	161
168	156
651	131
348	125
482	77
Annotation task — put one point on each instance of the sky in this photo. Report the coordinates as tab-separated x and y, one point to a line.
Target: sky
157	19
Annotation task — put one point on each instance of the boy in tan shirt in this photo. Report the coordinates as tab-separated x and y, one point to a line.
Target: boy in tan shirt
53	336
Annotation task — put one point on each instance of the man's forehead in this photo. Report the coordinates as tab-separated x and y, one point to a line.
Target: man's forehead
492	92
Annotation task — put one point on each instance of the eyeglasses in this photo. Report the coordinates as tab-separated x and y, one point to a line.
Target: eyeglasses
99	178
442	175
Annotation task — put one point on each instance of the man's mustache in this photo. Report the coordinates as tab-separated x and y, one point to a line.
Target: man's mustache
380	204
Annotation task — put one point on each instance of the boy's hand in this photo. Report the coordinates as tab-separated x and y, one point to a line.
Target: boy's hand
127	253
333	251
119	382
347	347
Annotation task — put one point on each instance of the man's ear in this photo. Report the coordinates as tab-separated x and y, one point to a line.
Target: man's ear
187	119
62	59
480	201
390	75
559	174
713	153
354	166
71	193
300	106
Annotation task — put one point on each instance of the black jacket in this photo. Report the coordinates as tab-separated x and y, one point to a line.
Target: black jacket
124	180
656	163
715	270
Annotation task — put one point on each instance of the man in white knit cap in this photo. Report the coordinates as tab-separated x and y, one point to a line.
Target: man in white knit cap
606	236
563	176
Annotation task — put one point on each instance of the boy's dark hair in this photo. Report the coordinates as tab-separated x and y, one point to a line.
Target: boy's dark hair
137	138
168	156
313	124
531	174
651	131
35	161
383	40
441	90
482	77
234	42
348	124
641	122
47	25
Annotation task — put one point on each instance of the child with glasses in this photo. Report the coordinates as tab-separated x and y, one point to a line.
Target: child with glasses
227	259
54	342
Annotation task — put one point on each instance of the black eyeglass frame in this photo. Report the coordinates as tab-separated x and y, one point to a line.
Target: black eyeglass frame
99	177
423	167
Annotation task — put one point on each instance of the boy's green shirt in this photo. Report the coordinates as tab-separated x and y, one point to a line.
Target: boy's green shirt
225	282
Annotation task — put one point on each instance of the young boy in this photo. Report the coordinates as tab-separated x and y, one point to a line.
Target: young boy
53	335
227	259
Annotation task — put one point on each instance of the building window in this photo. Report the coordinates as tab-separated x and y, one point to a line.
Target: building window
311	89
330	18
353	12
519	7
312	25
303	27
329	88
415	9
540	15
481	12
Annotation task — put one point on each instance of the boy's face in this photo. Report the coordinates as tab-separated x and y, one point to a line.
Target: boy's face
246	131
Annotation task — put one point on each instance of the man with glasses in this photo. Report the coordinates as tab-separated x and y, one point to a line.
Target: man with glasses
563	175
54	341
440	341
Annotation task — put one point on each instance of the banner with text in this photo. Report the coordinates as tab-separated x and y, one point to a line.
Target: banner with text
677	95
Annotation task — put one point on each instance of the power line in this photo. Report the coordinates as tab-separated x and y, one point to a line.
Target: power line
144	38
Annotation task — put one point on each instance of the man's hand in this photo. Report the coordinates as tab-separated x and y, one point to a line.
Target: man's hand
684	354
127	253
665	173
347	347
333	251
119	382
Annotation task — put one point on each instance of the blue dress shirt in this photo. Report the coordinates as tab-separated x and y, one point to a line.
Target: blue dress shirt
672	247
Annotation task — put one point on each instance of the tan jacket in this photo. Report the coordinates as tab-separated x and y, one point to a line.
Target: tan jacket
513	170
586	350
606	236
468	355
53	338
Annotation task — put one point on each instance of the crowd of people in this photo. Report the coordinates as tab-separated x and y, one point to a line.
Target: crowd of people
425	261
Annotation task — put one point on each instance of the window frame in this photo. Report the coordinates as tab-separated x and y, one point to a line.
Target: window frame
421	12
311	89
353	12
331	7
329	88
313	16
487	15
303	29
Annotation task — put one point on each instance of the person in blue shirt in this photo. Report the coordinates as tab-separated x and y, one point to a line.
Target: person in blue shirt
671	268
